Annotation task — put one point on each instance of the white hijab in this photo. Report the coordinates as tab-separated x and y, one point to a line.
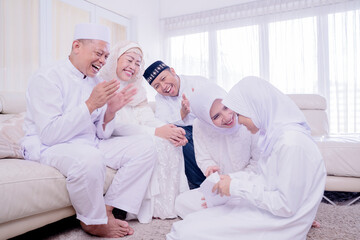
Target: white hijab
201	102
108	72
270	110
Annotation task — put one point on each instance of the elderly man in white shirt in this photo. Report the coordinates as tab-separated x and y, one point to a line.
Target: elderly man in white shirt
69	120
172	106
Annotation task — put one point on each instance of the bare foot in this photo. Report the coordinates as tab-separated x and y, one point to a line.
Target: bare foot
315	224
115	228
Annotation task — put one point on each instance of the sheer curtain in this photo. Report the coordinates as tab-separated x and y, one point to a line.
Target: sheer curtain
299	46
19	42
64	19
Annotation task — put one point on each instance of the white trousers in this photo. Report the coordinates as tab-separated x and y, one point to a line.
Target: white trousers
189	202
84	167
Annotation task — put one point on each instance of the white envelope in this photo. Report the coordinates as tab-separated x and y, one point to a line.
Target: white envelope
212	199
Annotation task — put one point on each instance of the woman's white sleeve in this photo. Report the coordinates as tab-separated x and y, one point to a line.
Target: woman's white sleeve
147	117
202	156
291	177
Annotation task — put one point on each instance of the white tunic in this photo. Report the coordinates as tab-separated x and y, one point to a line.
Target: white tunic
57	113
168	108
60	132
281	204
231	152
281	201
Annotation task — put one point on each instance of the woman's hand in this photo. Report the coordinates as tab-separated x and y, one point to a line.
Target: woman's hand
223	186
174	134
210	170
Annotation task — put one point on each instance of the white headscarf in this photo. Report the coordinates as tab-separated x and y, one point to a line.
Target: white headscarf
201	102
108	72
270	110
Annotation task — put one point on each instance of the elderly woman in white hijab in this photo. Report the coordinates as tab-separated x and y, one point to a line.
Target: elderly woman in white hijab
279	203
126	64
221	145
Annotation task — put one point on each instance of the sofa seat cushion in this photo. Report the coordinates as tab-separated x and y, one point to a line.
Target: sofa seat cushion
341	155
28	188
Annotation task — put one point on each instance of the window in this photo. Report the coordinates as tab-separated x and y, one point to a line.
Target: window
39	32
19	43
237	54
299	46
190	54
293	55
344	71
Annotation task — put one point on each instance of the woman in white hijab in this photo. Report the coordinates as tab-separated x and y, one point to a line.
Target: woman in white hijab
126	64
221	145
279	203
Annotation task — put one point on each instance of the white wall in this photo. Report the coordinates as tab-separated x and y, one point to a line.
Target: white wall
144	15
172	8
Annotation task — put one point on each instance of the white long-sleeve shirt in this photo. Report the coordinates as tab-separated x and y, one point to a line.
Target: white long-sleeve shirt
168	108
230	152
57	113
291	175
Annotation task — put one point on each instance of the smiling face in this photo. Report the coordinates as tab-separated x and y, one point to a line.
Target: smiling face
248	123
222	116
89	56
167	83
128	65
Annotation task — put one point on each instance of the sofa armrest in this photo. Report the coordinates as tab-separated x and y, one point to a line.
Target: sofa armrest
12	102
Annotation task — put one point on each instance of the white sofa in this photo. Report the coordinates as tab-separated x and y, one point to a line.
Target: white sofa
34	195
341	153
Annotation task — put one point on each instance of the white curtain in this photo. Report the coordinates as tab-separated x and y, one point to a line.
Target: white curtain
19	43
64	19
299	46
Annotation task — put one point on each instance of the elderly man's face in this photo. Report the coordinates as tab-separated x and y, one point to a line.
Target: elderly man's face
167	83
91	55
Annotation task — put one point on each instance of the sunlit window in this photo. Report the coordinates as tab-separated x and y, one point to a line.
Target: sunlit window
190	54
293	55
344	71
303	51
237	54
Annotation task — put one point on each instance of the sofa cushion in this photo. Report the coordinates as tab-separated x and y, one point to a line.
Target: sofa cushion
313	107
309	101
341	155
318	122
28	188
11	133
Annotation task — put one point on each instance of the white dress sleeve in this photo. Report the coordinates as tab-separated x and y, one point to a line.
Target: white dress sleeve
202	156
147	117
144	122
289	177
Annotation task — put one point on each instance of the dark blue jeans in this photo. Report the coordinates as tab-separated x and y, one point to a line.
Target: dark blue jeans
193	173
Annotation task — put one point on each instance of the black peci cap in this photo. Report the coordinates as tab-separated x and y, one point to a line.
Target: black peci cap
154	70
